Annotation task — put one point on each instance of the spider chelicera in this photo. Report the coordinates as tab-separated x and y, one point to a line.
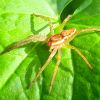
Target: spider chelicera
55	42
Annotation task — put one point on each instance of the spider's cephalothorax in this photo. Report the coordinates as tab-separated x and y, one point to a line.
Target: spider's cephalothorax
59	40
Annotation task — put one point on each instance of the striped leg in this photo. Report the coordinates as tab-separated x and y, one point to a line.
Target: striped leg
79	52
62	25
47	19
44	66
56	68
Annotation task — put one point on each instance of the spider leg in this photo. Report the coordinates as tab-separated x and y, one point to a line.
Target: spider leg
79	52
84	30
44	66
47	19
51	27
55	70
88	30
62	25
29	39
32	38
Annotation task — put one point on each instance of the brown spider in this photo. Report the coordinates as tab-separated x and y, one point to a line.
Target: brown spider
55	42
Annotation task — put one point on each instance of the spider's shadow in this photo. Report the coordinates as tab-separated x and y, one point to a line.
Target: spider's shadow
9	47
30	67
37	62
27	47
33	25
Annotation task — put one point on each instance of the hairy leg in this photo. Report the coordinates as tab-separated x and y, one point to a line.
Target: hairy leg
47	19
32	38
55	70
62	25
44	66
88	30
29	39
79	52
84	30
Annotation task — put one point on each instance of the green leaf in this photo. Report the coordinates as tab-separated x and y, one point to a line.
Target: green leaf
74	80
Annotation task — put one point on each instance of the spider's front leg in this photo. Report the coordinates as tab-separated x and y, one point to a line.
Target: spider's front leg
62	25
88	30
56	68
84	30
79	52
44	66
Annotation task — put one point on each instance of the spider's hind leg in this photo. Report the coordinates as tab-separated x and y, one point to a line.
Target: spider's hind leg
44	66
56	68
27	40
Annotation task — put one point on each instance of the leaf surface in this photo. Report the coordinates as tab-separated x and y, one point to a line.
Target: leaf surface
74	80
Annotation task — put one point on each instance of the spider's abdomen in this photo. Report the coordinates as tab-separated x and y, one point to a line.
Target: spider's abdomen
55	40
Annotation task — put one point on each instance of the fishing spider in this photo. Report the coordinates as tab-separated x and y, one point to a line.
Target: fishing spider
55	42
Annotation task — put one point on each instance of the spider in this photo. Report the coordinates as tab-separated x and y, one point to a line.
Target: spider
55	42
